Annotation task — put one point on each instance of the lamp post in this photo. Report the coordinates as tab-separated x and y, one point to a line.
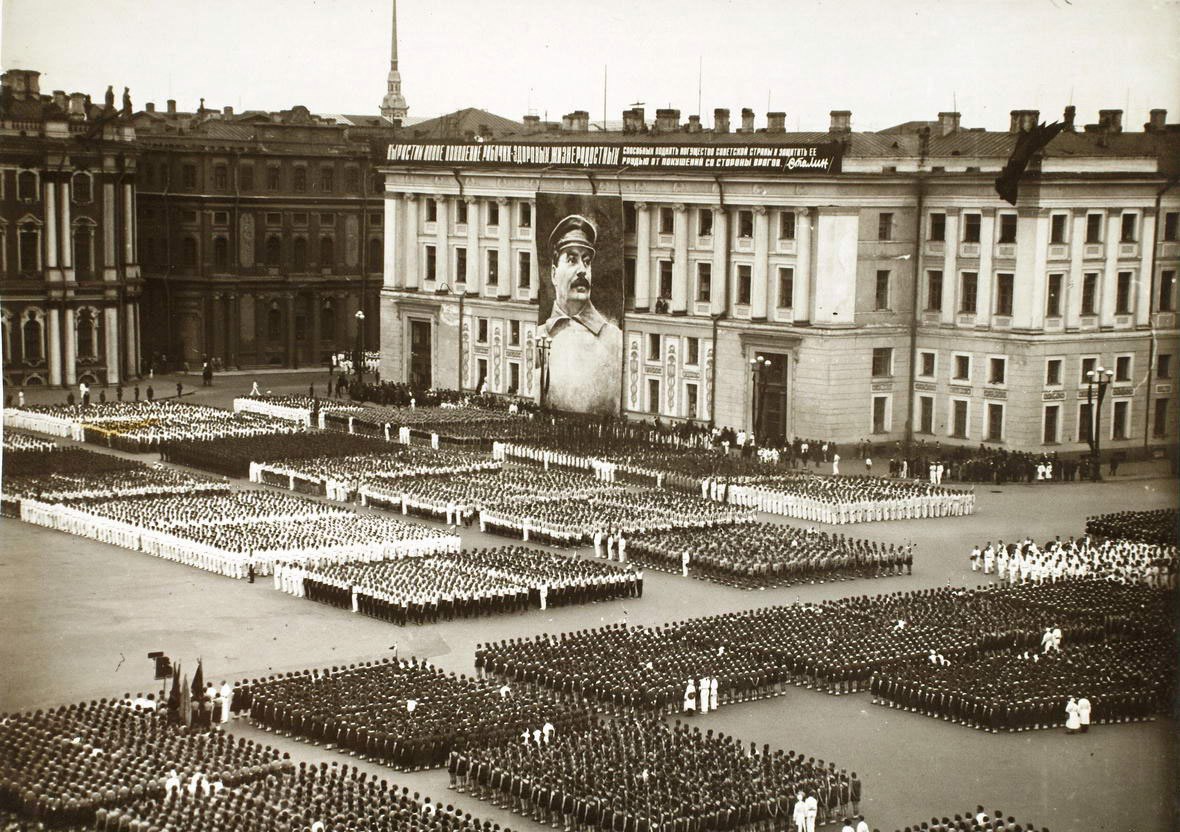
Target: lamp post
1101	378
358	357
759	365
544	344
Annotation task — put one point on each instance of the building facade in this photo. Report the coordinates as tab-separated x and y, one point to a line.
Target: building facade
69	274
897	298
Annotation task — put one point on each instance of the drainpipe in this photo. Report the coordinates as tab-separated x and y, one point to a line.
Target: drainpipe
1151	347
920	192
723	314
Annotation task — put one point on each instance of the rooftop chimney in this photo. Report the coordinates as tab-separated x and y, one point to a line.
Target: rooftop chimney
227	111
1029	119
59	99
1110	121
633	120
948	123
1158	122
776	122
1014	121
667	121
694	124
78	105
172	106
576	122
841	121
1071	113
747	120
532	124
150	106
24	83
721	120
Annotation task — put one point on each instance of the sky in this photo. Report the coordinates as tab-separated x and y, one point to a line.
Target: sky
887	61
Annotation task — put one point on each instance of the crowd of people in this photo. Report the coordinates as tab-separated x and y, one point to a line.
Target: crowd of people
15	441
1118	560
755	555
460	584
233	456
973	821
1160	527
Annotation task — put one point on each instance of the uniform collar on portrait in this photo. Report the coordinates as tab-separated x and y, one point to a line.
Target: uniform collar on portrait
589	317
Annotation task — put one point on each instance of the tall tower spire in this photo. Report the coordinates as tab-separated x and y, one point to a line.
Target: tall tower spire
393	105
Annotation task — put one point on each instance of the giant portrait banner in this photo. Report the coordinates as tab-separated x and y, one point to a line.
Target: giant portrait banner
580	302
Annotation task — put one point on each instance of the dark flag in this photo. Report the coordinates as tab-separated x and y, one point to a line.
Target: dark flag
199	681
186	710
174	696
1027	146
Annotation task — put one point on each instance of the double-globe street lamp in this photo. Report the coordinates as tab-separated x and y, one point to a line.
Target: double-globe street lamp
1101	379
358	355
760	366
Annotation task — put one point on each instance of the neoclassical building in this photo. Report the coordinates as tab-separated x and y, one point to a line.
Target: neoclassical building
69	273
889	295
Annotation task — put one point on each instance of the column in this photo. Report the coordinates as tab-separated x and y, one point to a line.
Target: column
51	232
504	243
108	232
540	270
410	243
950	274
680	270
642	257
70	358
1110	276
314	352
53	345
1142	301
66	232
392	279
720	260
987	246
442	258
128	224
137	337
234	324
289	315
1077	251
130	332
758	273
1032	257
111	340
803	286
474	272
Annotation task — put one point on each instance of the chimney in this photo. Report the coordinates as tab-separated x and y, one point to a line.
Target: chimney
841	121
1071	113
150	106
78	105
1110	121
667	121
776	122
576	122
633	120
721	120
1157	123
171	106
1014	121
747	120
948	123
694	124
532	124
227	111
59	99
1029	119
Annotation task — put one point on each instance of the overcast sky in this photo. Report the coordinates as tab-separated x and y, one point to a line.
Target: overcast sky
887	61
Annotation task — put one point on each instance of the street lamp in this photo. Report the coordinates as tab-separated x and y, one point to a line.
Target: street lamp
1100	377
544	344
759	365
358	358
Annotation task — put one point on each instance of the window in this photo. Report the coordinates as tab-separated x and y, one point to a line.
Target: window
691	399
926	364
882	362
188	175
997	370
629	278
493	266
1004	294
273	178
995	422
968	292
514	333
629	221
299	218
222	218
327	252
880	414
786	287
460	264
432	210
26	188
376	254
524	268
493	214
190	217
29	247
666	279
83	250
299	254
352	180
273	250
431	263
1085	423
959	419
1007	228
1053	372
481	334
220	177
274	322
743	284
1122	302
246	177
885	226
1121	421
1167	290
882	291
962	368
1053	295
693	352
1057	225
925	414
704	222
786	225
461	212
526	215
667	220
1122	368
937	231
704	282
653	395
1128	228
220	253
971	224
327	180
1163	366
1171	226
299	182
327	219
933	290
513	378
1159	426
1088	365
653	346
481	371
1093	228
376	219
1052	422
274	218
32	341
82	188
188	251
1089	293
745	224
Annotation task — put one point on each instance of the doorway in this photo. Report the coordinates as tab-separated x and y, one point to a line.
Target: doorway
420	355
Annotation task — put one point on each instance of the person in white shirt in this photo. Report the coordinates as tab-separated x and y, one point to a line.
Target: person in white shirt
799	816
812	812
1084	713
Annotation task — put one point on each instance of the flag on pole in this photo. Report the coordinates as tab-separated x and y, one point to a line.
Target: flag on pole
199	680
186	711
1027	146
174	696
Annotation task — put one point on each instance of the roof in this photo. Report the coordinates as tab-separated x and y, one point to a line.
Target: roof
460	125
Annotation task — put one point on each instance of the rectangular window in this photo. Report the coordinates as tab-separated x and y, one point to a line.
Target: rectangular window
933	290
1004	294
493	214
1093	228
995	422
629	222
327	219
1163	367
482	373
881	295
743	287
481	335
704	282
693	352
926	414
222	218
926	364
1053	372
653	346
524	266
1052	421
273	178
968	292
997	370
1085	423
1122	368
629	278
1053	295
971	223
432	210
1090	293
514	333
460	264
653	395
274	218
1171	226
493	266
299	218
513	378
959	419
962	368
704	222
526	215
188	175
667	221
666	279
1007	228
882	362
786	225
431	262
786	287
938	226
460	212
1088	365
327	180
885	225
1129	223
1159	422
352	179
300	180
1167	290
745	227
880	414
220	177
1121	422
690	401
1122	302
246	177
1057	225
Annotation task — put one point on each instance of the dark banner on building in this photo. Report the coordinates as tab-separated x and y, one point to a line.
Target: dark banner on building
767	158
580	302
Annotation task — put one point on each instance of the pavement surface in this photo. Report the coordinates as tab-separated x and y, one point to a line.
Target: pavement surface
78	618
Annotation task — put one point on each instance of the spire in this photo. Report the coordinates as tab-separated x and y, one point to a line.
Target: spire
393	105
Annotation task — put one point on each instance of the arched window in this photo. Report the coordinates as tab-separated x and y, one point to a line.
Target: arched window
33	336
29	248
83	187
328	321
26	186
376	255
327	252
274	248
299	254
87	327
274	322
220	254
188	251
84	248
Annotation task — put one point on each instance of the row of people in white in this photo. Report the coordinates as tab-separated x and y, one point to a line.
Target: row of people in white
828	510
